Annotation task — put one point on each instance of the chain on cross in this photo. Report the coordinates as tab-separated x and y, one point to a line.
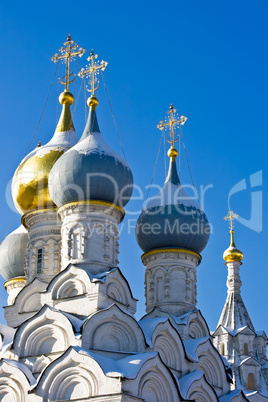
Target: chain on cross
92	71
171	123
68	52
231	217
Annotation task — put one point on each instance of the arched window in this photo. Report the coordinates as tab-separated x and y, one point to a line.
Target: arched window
245	349
251	381
222	349
39	264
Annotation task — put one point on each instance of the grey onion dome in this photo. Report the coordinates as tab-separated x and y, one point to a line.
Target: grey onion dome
172	219
91	170
12	254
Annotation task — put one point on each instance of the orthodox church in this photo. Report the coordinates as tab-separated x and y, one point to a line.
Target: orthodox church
71	332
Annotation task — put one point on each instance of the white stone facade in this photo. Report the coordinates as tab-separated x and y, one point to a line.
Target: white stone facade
77	337
43	255
170	280
90	235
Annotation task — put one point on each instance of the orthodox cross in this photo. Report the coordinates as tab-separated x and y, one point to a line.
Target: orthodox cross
172	123
231	217
68	52
92	70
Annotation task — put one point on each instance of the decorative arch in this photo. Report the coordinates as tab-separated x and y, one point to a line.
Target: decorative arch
211	364
116	291
153	383
72	383
112	329
194	326
73	376
14	384
46	332
196	329
117	288
199	390
153	389
167	342
71	282
29	298
202	393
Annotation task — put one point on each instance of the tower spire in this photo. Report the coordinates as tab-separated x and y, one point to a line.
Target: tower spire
234	314
171	123
68	52
92	71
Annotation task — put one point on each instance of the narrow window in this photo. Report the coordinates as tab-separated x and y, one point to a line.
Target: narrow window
39	260
245	349
222	351
75	245
251	381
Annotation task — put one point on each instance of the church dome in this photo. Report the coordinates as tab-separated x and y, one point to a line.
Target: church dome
232	253
30	181
12	254
172	219
91	170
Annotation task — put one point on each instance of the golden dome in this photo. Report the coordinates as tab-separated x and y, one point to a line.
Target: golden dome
30	181
232	253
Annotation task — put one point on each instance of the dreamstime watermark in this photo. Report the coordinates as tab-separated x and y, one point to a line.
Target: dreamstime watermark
186	200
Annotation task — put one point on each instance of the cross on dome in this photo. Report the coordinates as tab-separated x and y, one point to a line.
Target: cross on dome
91	71
231	217
171	123
67	54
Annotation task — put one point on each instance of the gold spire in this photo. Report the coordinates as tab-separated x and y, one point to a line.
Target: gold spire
67	54
171	123
232	253
92	71
66	98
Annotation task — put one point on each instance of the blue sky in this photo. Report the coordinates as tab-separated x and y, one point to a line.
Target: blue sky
209	59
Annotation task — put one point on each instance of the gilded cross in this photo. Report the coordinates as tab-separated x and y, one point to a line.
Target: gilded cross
231	216
92	71
172	123
68	52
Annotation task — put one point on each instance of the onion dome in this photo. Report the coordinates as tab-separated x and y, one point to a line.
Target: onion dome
232	253
30	181
12	254
91	170
172	219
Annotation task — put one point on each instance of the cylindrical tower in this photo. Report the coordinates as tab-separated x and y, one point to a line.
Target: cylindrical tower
31	194
90	184
172	230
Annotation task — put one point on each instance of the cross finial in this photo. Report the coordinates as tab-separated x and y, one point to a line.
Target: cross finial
68	52
171	123
92	71
231	217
